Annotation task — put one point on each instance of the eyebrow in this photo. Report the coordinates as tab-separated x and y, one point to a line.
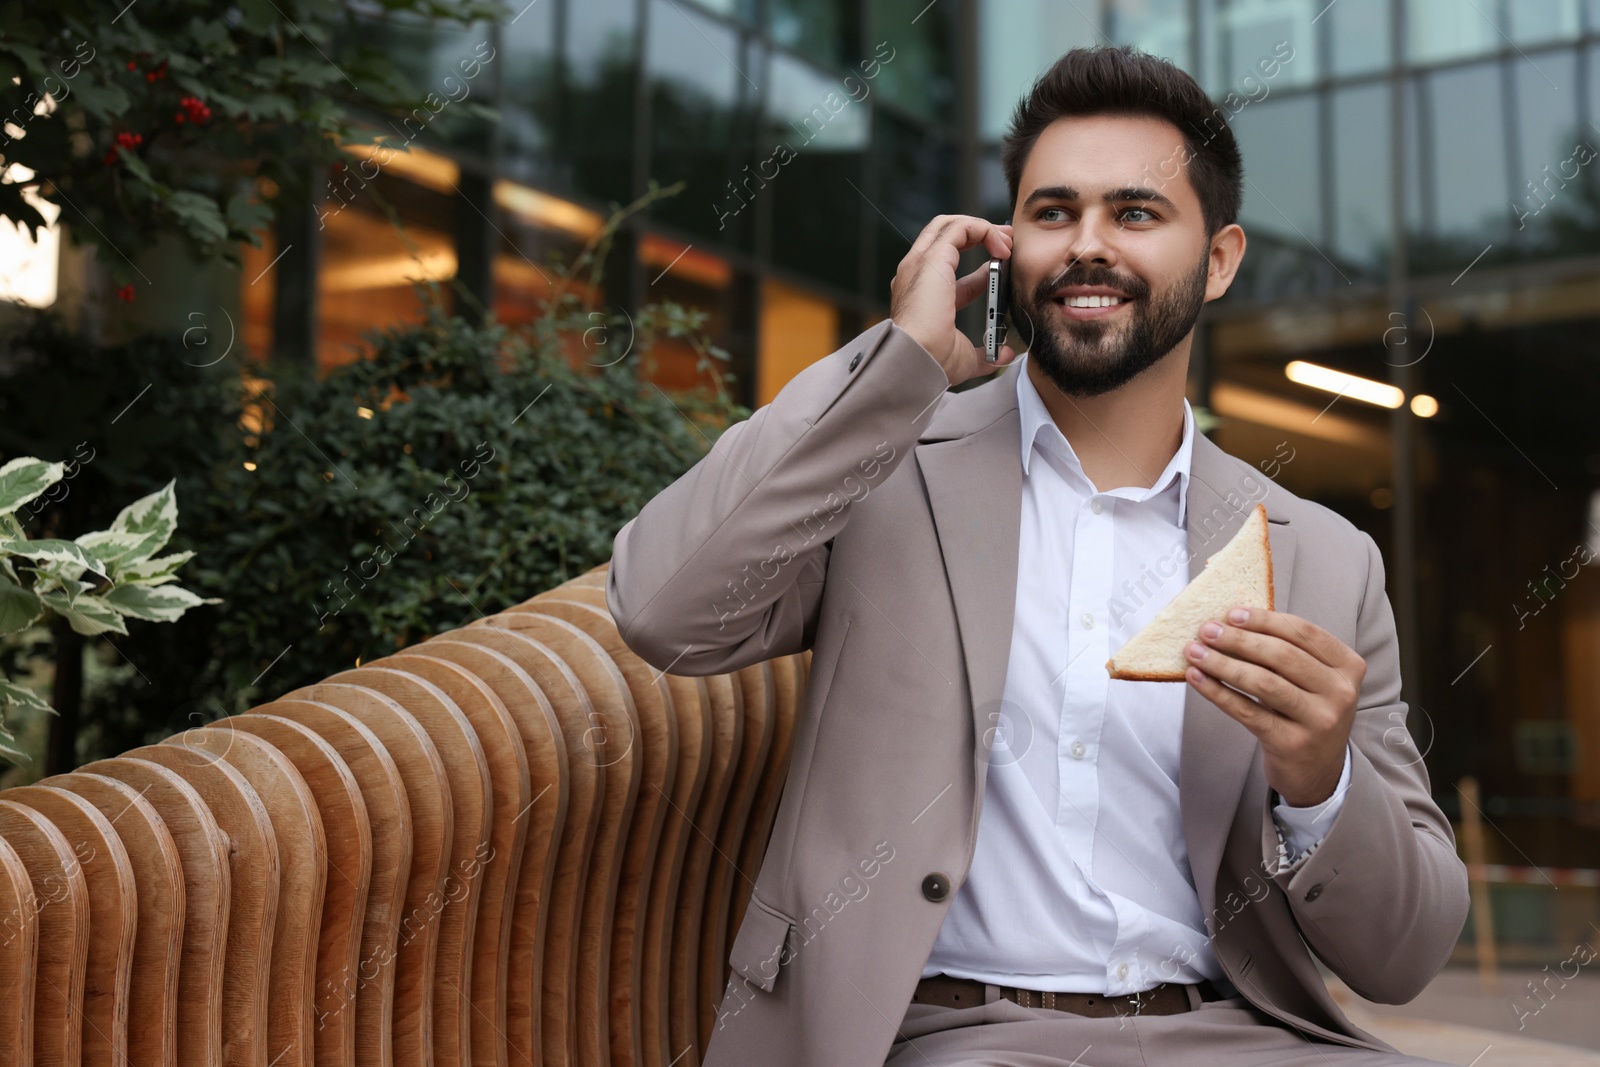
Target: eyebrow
1112	196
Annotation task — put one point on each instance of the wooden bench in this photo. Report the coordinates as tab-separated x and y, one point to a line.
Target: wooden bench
513	844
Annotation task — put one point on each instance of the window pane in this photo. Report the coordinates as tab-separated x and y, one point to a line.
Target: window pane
1548	206
436	58
698	280
1358	31
1361	237
1467	141
817	130
1533	21
1160	27
916	181
528	104
1018	40
1282	207
1279	144
823	30
1251	34
1447	29
1547	115
596	127
368	266
912	40
797	329
697	70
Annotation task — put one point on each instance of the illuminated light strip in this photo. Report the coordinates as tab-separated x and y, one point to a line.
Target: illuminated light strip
1337	381
542	209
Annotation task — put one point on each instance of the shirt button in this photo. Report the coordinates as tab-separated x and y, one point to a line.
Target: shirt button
1122	971
1078	749
936	886
1314	892
1087	619
1095	506
855	361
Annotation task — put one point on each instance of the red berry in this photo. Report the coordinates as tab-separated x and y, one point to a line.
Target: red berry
178	118
132	65
125	294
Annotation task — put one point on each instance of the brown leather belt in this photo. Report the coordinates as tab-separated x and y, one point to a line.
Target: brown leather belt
1168	998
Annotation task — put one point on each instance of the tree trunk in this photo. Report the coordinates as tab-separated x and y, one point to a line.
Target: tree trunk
66	695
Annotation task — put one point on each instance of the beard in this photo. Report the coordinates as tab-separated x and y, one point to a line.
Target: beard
1094	356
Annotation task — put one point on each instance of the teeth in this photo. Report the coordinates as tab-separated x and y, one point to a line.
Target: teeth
1093	301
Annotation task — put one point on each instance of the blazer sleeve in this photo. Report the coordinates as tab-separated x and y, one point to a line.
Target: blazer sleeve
1383	897
726	566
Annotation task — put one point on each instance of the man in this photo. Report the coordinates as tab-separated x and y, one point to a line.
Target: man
987	851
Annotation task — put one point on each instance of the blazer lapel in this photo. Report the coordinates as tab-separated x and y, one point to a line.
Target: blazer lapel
1217	750
970	461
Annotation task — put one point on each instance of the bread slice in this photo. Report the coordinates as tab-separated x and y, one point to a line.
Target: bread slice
1240	572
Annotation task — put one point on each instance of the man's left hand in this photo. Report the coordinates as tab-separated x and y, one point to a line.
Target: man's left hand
1294	685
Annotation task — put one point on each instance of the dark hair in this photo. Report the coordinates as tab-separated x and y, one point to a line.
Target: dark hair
1125	81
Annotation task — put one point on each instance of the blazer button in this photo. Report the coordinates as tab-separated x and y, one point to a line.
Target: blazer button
936	887
855	361
1314	892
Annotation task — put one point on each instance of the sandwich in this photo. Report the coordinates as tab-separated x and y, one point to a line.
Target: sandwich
1239	574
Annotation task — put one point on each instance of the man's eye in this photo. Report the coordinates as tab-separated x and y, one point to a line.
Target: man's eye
1145	211
1049	211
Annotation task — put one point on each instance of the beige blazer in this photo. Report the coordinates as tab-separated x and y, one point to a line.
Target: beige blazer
871	514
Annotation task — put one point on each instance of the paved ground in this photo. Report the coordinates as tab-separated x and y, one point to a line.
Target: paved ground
1456	1021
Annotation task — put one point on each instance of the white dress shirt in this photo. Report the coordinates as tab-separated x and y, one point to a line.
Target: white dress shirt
1080	877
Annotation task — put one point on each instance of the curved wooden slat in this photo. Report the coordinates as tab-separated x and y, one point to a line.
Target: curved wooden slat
19	948
253	904
522	968
158	938
433	827
485	1011
687	705
570	885
610	741
113	917
727	742
347	838
369	985
755	683
61	902
302	882
207	897
472	799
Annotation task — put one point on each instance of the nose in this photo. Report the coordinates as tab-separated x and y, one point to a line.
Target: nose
1093	238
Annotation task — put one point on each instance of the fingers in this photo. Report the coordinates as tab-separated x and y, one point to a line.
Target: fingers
1264	684
962	232
1249	714
1303	634
1271	652
972	286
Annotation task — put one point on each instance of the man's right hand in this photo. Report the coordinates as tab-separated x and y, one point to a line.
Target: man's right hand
926	294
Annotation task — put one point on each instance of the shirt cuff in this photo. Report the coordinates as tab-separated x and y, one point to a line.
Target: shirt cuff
1302	829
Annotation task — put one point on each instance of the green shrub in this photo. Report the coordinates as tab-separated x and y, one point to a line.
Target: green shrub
460	470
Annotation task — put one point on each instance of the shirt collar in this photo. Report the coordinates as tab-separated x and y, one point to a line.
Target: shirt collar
1040	430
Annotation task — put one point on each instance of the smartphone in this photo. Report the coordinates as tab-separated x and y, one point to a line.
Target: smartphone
994	332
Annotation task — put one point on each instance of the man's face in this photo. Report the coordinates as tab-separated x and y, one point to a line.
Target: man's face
1147	246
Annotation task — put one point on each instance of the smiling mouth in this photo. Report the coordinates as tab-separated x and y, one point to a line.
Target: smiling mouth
1089	307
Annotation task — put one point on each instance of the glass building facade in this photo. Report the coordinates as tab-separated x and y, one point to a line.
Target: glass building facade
1421	209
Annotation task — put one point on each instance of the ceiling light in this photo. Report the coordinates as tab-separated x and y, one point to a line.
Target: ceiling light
1424	405
1350	385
